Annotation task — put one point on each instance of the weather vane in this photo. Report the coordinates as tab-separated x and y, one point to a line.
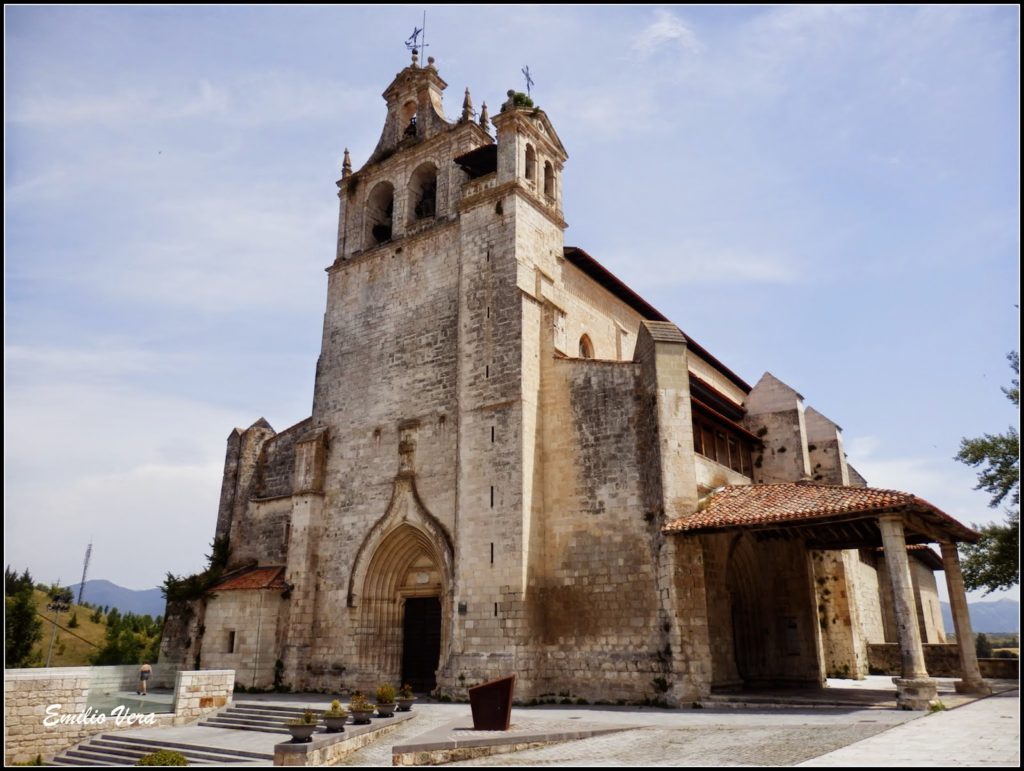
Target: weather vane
414	43
529	80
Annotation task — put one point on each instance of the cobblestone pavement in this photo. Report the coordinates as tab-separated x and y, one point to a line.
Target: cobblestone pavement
675	738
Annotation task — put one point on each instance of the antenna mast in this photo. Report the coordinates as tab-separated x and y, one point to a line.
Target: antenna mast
85	569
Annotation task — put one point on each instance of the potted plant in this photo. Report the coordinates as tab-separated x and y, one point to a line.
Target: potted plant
335	718
386	700
405	698
360	708
302	727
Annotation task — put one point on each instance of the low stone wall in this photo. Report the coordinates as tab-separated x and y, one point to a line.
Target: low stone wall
1000	669
940	659
196	693
46	710
327	749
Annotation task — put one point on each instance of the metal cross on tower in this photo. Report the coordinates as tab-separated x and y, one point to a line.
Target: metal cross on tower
529	80
413	43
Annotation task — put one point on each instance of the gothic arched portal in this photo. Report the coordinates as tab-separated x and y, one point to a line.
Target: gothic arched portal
401	590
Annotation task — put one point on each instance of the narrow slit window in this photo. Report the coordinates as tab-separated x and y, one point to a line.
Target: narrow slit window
231	641
492	434
492	552
492	496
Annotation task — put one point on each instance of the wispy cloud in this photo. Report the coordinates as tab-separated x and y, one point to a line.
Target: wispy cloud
266	97
667	31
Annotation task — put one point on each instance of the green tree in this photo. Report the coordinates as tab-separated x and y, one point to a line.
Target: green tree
22	628
982	646
994	562
73	621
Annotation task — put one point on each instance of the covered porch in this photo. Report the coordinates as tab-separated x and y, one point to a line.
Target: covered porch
789	597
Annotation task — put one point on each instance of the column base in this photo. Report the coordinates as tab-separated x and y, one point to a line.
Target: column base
915	693
977	687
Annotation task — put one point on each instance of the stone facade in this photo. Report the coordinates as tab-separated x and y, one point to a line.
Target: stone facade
500	430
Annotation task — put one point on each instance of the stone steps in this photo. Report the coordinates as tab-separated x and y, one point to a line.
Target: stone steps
268	718
115	750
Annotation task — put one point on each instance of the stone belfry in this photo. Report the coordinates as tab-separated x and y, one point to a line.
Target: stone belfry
420	391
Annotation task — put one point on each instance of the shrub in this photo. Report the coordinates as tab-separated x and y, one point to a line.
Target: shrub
336	710
358	703
386	694
306	718
163	758
519	99
406	692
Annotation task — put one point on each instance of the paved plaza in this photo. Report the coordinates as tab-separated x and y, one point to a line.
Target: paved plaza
983	732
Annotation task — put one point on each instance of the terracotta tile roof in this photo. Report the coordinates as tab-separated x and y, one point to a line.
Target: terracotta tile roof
254	578
792	502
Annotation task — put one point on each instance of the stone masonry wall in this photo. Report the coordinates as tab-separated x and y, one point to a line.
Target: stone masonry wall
843	650
866	587
388	366
28	693
600	624
277	462
252	615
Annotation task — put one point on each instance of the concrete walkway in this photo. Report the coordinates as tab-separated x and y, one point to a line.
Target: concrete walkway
982	733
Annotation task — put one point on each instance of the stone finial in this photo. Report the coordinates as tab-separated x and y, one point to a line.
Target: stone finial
430	63
467	108
415	57
511	98
346	165
485	118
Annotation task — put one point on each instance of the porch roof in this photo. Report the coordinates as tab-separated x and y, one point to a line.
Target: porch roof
828	516
253	578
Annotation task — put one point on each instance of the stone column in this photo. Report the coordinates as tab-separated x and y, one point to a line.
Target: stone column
971	682
914	690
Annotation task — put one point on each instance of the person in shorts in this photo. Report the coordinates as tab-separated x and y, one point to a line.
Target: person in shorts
144	672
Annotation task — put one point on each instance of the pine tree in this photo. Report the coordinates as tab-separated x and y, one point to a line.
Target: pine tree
22	628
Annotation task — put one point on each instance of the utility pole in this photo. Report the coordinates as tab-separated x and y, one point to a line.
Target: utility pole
60	601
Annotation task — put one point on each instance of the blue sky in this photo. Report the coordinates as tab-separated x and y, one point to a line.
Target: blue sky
830	194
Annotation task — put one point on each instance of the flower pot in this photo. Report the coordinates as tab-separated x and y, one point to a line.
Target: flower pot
335	725
405	705
361	717
386	710
302	733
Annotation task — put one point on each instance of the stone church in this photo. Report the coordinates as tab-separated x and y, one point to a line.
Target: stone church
515	464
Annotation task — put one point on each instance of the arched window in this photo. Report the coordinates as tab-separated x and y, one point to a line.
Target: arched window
380	207
531	162
586	348
408	124
423	192
549	179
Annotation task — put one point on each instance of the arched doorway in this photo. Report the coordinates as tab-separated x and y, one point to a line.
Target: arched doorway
401	627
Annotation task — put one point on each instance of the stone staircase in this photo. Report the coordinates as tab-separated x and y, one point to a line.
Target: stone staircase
256	716
118	750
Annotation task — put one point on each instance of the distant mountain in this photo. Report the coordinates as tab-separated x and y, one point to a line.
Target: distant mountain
139	601
988	617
